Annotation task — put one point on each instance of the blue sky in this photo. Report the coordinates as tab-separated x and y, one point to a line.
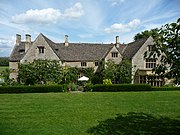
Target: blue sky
83	20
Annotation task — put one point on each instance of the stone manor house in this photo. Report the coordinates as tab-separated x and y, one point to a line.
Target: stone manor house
87	55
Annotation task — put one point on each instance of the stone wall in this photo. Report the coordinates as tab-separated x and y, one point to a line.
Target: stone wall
138	60
13	67
78	65
33	52
117	60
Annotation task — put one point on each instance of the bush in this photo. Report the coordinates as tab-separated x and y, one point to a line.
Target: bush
31	89
165	88
121	87
107	81
97	79
88	87
72	87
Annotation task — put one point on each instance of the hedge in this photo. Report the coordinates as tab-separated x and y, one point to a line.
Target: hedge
31	89
120	87
165	88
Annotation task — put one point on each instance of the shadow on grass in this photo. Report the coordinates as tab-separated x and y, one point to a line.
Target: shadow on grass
137	124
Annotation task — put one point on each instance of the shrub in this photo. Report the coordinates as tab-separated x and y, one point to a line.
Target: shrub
31	89
165	88
88	87
121	87
107	81
97	79
72	87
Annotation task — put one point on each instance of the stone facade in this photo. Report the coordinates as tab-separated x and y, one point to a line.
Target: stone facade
33	52
81	55
13	67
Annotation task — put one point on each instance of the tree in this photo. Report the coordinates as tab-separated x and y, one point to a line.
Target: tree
167	48
153	32
120	73
4	61
110	70
40	72
70	74
124	71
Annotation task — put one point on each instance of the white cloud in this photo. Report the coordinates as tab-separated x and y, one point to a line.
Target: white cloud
6	46
49	15
7	43
74	12
119	27
116	2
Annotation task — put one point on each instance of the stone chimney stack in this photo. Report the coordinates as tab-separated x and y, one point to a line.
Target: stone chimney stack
117	41
66	40
18	39
28	42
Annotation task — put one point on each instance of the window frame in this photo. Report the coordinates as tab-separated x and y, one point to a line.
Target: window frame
150	63
151	48
114	54
41	49
83	64
96	63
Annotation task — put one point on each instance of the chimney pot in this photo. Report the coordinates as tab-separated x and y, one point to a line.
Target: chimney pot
117	41
28	42
18	39
28	38
66	40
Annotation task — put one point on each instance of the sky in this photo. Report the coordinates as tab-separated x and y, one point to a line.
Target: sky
90	21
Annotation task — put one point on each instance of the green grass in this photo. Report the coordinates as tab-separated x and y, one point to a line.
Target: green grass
75	113
2	68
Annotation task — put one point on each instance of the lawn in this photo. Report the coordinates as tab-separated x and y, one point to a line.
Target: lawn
2	68
80	113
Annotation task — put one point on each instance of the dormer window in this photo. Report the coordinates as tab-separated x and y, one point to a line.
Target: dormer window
41	49
114	54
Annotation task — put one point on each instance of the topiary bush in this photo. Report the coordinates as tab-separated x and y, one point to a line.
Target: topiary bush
121	87
31	89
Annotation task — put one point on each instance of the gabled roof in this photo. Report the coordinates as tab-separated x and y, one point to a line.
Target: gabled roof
81	51
132	48
18	52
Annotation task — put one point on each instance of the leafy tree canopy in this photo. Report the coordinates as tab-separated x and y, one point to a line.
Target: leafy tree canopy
4	61
40	72
153	32
120	73
167	48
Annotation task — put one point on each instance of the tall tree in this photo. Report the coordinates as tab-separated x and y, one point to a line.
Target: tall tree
110	70
153	32
124	71
167	48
